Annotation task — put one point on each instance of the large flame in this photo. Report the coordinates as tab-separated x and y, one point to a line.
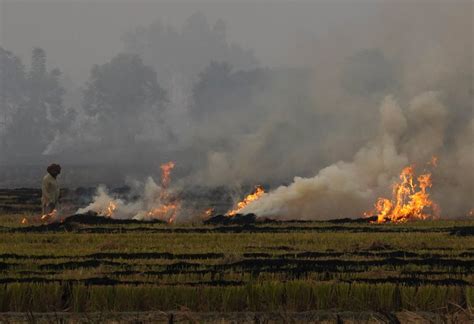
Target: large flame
166	169
257	194
168	208
410	200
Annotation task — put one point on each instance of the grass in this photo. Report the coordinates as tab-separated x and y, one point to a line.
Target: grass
80	244
293	295
419	266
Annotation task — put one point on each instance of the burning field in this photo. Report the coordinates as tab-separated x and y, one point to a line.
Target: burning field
198	251
402	174
258	227
205	251
142	254
410	201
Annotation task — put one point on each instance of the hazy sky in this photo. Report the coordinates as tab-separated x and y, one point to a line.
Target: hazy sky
79	33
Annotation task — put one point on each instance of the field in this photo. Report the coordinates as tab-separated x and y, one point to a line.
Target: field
319	270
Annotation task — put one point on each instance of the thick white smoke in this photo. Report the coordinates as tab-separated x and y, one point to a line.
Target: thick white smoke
142	209
289	128
347	189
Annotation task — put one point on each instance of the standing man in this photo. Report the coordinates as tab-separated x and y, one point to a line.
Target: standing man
50	189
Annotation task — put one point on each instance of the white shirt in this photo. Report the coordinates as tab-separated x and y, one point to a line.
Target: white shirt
49	190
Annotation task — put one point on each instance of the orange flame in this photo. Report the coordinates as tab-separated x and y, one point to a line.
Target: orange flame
258	193
207	213
109	211
168	209
24	221
165	173
410	201
167	212
51	217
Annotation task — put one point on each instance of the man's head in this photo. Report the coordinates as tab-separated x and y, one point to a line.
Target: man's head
54	170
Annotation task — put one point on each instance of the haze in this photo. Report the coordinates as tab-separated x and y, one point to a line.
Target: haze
77	34
241	92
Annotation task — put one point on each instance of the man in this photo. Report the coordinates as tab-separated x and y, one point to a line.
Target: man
50	189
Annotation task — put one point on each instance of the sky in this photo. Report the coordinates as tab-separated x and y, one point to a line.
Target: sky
79	33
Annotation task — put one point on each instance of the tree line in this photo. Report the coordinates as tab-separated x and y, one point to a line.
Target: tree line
133	89
117	96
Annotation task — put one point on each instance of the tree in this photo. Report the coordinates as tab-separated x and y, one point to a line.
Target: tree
118	92
214	82
12	86
40	114
186	51
221	89
46	92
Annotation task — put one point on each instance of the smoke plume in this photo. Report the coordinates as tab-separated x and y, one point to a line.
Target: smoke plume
347	189
106	204
331	100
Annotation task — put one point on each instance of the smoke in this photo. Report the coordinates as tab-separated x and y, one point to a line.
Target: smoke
384	87
104	203
429	74
347	189
409	135
151	203
146	201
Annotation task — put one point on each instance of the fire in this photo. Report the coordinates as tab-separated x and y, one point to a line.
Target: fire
166	169
50	217
410	199
168	209
167	212
258	193
109	211
207	213
24	221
